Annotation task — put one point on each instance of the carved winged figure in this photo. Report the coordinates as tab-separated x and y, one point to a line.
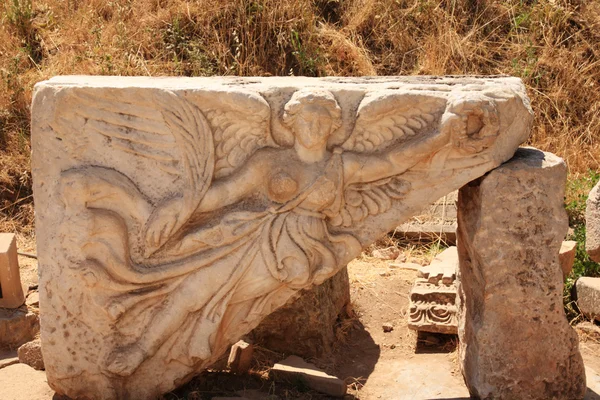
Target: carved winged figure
255	220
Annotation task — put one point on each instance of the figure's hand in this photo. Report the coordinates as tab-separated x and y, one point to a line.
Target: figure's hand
162	224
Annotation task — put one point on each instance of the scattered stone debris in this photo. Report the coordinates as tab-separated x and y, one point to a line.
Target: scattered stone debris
240	357
387	327
388	253
31	354
568	249
406	265
33	299
294	369
17	326
592	224
589	329
433	296
588	296
12	293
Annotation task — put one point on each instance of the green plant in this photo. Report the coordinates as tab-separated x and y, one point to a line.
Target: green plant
20	16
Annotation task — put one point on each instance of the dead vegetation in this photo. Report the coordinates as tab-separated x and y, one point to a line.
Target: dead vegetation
554	45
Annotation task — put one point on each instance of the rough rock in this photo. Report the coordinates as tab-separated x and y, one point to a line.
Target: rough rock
12	294
31	354
566	256
515	341
17	326
294	369
592	224
174	215
588	296
240	357
388	253
306	326
387	327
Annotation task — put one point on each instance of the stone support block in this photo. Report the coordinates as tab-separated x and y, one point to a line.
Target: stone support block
566	256
515	341
12	294
17	326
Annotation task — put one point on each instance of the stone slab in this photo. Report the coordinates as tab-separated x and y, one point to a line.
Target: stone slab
592	223
515	340
566	256
173	215
12	293
294	369
588	296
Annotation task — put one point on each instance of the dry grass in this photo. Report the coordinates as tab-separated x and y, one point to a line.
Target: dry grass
554	45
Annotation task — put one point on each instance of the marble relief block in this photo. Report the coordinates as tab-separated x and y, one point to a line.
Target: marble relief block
174	214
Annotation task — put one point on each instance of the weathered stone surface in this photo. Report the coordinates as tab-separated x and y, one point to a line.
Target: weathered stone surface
588	296
566	256
12	294
240	357
305	326
173	215
17	326
33	299
592	224
433	296
515	341
294	369
388	253
31	354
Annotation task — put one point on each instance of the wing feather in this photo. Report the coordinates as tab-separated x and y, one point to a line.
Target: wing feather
388	118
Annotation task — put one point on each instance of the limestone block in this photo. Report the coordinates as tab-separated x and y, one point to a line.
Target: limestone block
515	341
306	326
240	357
592	224
174	214
17	326
433	296
12	294
294	369
31	354
566	256
588	296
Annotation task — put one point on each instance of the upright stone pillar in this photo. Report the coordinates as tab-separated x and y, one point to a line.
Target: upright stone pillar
515	341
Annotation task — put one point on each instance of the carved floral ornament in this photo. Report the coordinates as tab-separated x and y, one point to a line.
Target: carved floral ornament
190	215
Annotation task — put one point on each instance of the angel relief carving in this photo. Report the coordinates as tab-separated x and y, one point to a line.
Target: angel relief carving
255	220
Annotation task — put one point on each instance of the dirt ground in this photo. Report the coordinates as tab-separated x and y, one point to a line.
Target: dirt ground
376	365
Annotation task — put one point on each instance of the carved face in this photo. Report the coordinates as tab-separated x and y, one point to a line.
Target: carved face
312	126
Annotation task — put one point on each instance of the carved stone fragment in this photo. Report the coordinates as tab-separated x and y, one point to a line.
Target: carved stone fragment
12	293
173	215
515	341
592	224
433	296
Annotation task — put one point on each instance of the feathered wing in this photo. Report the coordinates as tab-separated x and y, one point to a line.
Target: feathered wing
388	118
241	125
163	128
384	120
365	199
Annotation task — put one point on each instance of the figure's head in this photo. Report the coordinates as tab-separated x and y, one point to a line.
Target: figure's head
312	116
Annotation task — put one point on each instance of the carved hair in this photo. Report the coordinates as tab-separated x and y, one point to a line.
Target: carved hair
321	98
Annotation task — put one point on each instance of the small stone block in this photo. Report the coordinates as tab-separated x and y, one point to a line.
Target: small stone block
240	357
294	368
31	354
568	249
588	296
11	291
